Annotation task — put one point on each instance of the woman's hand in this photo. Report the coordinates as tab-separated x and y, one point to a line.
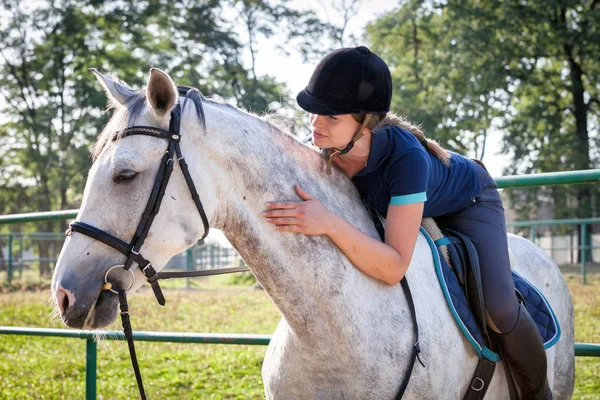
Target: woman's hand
309	216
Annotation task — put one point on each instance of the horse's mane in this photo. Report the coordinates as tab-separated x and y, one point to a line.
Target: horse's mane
125	115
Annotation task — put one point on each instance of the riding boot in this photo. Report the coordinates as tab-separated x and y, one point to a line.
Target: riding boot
523	351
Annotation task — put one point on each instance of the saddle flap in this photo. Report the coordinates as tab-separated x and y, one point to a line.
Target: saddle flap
465	262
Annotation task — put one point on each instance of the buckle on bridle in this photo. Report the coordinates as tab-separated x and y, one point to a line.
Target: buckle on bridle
107	282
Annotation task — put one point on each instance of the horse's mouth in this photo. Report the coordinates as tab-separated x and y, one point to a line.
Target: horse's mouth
104	311
101	313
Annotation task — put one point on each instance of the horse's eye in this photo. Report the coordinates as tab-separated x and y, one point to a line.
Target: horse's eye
126	175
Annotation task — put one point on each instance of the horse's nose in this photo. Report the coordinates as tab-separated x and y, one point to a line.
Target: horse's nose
64	298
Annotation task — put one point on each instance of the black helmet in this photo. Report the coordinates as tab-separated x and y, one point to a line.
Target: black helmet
348	81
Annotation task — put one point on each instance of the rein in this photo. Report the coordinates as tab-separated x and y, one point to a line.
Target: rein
125	320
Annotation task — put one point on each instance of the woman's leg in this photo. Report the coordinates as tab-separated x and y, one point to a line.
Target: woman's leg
484	224
519	340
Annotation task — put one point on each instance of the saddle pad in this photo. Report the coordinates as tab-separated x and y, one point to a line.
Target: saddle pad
533	299
539	309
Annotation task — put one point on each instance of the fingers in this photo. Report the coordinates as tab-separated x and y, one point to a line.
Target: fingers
282	204
302	194
288	228
282	221
290	204
278	213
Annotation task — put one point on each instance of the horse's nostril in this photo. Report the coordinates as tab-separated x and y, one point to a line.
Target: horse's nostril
65	303
62	300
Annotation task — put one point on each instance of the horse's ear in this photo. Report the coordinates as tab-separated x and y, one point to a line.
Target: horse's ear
161	92
117	91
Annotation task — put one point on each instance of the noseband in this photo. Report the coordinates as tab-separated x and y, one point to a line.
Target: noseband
132	249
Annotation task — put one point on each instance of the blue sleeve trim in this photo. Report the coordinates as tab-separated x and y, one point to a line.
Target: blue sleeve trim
408	199
443	242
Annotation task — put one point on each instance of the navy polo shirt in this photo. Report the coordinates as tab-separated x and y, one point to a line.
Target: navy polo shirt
400	171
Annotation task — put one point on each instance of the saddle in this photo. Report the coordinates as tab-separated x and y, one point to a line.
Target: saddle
458	271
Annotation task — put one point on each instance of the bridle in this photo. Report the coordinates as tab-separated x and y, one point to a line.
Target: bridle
132	249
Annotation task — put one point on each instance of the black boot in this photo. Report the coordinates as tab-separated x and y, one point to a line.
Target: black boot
523	351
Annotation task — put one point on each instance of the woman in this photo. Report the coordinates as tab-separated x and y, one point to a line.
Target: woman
405	177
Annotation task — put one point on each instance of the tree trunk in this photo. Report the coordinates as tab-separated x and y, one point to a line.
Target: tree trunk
582	145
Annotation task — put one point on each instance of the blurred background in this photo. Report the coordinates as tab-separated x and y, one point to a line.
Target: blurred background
515	84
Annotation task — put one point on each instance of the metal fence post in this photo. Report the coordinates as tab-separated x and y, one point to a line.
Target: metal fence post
189	264
10	257
583	249
532	234
21	256
90	368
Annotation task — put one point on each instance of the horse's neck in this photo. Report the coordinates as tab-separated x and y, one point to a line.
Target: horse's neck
304	276
307	277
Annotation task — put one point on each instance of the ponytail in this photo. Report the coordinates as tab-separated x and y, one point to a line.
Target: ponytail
378	121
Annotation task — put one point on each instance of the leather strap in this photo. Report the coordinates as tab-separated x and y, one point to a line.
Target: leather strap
190	183
142	130
129	336
411	306
207	272
125	320
107	239
416	349
481	380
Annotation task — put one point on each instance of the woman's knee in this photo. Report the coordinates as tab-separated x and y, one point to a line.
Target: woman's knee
503	316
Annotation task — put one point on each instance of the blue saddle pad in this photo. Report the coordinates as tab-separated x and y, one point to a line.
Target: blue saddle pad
533	299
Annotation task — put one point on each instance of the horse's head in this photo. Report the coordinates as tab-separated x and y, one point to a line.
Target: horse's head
116	196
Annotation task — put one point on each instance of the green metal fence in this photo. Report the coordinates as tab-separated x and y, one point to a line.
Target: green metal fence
581	349
19	243
202	256
172	337
581	222
549	179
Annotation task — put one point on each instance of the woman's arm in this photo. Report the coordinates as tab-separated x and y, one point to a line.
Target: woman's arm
385	261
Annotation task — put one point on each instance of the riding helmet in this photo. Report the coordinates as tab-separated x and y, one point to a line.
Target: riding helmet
348	81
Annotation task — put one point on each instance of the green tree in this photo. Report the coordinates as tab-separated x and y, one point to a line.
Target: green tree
52	109
549	56
527	68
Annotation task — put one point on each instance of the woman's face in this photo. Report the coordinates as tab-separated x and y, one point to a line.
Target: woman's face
335	131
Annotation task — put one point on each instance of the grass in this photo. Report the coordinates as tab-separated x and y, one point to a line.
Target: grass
54	368
586	305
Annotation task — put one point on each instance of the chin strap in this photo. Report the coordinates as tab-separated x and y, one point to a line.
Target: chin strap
334	152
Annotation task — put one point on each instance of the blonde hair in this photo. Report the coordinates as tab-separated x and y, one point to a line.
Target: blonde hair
378	121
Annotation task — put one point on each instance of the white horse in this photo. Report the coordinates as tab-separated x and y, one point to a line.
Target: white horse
343	335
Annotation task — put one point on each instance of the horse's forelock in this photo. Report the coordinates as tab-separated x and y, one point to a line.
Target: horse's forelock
123	115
